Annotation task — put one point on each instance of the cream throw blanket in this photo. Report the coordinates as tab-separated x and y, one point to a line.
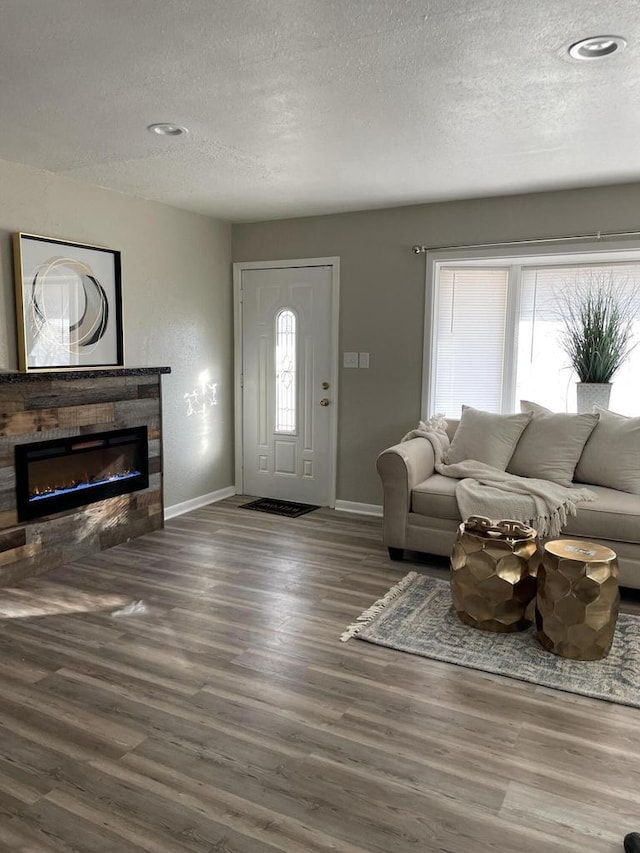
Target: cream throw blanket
487	491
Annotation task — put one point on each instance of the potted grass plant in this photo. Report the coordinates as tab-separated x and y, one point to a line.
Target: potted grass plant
598	335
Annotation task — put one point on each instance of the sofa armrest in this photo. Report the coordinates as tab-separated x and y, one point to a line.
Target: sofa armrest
402	467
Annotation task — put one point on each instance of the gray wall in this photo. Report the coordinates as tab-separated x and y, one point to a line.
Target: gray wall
177	304
178	299
382	294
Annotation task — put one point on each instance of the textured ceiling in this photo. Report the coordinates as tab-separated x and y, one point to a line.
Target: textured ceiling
298	107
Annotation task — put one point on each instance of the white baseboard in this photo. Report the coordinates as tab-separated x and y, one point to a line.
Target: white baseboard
360	509
196	503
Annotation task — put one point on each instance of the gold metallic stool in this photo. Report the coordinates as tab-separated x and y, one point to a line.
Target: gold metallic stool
578	599
493	569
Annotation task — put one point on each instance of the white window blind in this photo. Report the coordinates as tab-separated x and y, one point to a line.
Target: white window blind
470	333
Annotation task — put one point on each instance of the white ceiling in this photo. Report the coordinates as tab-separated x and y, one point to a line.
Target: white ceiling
299	107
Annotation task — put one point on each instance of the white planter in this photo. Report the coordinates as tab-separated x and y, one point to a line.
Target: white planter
592	394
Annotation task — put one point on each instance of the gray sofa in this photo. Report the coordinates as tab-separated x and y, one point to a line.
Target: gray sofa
421	513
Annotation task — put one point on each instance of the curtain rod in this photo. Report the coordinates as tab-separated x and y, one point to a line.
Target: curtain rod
599	235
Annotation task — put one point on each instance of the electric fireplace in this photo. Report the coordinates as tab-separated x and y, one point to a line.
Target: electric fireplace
64	473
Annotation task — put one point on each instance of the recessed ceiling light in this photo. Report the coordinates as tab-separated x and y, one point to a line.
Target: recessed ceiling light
167	129
597	47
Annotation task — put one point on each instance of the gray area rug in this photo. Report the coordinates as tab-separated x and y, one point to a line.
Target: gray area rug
417	616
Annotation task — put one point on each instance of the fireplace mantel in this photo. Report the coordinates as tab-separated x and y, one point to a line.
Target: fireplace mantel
11	376
41	405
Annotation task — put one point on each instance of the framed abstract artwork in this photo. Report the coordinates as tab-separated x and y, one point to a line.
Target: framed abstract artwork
68	304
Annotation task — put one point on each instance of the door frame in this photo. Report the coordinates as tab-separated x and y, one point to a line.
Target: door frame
238	268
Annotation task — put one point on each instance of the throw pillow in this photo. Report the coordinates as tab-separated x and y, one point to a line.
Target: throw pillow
486	437
611	457
551	445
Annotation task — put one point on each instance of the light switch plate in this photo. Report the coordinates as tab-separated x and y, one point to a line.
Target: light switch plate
350	359
364	359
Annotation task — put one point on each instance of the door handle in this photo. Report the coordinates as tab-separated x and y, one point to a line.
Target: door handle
324	401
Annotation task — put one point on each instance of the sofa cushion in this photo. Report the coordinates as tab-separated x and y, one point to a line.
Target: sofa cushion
611	456
612	516
436	497
486	437
551	445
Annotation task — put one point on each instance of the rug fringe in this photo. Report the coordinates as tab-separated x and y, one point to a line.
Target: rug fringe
367	615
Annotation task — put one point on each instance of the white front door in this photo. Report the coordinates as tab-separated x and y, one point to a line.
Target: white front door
288	398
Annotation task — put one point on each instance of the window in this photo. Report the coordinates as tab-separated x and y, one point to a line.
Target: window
493	329
285	364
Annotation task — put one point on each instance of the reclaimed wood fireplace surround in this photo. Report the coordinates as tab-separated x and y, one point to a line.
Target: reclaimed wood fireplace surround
51	405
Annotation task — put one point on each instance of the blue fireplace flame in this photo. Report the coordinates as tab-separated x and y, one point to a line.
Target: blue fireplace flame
77	487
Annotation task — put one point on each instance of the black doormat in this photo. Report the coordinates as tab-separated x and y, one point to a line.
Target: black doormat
289	508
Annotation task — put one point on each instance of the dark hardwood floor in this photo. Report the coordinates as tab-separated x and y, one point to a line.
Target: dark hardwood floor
220	712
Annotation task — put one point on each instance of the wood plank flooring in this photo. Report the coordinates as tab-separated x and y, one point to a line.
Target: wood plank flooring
221	713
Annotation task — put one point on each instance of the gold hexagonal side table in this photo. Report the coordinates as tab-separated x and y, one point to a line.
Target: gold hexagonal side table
493	569
578	599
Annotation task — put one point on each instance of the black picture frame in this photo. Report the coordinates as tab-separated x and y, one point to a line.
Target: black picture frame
68	304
